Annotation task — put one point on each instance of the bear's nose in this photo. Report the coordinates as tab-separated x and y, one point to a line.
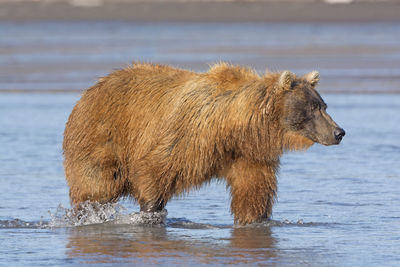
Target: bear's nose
339	133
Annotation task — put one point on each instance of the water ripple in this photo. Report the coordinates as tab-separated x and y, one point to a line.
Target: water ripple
93	213
17	223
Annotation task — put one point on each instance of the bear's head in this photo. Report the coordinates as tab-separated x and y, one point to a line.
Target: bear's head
304	111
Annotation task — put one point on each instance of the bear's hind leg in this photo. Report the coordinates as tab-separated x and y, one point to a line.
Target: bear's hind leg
93	182
253	189
152	206
148	193
151	185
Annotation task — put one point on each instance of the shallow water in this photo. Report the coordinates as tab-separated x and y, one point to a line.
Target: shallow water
337	206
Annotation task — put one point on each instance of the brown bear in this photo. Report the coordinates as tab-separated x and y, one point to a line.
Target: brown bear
153	131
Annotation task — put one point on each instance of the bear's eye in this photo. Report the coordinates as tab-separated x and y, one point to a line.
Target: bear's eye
315	106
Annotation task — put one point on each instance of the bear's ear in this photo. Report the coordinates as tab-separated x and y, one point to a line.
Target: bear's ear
312	78
286	80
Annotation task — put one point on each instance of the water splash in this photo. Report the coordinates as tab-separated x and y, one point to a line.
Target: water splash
143	218
95	213
89	213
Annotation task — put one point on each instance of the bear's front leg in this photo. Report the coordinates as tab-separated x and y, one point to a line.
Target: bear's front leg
152	206
253	189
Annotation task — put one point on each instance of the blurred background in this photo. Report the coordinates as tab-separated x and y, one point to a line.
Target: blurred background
337	206
60	45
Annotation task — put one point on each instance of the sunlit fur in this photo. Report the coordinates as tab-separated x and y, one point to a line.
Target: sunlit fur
153	131
293	141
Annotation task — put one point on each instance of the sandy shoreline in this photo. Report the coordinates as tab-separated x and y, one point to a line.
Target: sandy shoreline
201	11
72	45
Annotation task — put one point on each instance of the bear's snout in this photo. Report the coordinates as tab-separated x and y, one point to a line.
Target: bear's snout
339	133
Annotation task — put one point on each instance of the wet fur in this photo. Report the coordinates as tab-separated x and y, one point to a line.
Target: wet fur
153	131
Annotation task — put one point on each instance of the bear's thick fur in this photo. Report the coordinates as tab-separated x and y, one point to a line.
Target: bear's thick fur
153	131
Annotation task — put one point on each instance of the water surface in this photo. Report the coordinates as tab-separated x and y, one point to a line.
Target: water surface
336	205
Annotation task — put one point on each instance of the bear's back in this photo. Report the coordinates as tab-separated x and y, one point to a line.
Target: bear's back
125	108
133	107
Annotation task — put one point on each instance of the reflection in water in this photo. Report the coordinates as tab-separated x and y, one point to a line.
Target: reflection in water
105	243
102	243
253	244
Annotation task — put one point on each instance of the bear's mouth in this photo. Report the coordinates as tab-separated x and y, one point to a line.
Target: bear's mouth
331	143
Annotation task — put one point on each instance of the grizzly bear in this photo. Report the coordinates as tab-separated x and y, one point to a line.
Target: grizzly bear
152	132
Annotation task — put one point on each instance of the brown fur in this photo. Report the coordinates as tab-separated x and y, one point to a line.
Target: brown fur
153	131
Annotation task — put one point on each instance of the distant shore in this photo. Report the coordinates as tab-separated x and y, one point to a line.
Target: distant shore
201	11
